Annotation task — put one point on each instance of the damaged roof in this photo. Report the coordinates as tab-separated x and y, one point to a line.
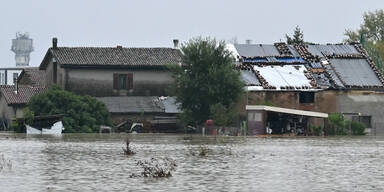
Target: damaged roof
306	67
113	57
32	76
139	104
330	49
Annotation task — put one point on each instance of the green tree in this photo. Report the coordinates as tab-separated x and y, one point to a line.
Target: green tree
371	36
372	28
207	78
82	114
298	37
222	116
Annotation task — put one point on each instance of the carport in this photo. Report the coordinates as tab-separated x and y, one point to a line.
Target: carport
262	119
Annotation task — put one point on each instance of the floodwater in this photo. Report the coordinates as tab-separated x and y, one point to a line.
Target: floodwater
92	162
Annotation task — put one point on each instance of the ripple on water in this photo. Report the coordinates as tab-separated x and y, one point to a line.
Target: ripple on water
90	162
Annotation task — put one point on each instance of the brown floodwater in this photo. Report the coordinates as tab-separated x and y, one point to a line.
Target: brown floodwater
92	162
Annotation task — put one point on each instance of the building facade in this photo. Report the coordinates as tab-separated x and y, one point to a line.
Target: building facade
9	75
332	78
118	71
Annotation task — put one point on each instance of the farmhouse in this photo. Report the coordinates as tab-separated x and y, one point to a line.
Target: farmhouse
320	78
110	71
129	81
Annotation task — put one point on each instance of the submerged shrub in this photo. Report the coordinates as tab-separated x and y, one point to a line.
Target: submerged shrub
127	150
160	167
316	130
202	151
341	126
357	128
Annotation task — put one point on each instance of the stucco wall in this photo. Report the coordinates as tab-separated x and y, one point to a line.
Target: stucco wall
99	82
7	112
49	74
365	103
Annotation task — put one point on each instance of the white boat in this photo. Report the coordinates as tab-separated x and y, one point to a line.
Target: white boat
56	129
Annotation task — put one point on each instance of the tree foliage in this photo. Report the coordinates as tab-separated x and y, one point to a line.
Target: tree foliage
372	28
341	126
82	114
298	37
221	115
208	78
371	35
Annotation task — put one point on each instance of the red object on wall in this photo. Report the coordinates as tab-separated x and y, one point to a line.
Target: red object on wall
209	122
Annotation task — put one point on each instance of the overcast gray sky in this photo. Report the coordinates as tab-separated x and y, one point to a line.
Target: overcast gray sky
154	23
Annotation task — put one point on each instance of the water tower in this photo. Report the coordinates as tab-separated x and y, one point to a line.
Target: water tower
22	47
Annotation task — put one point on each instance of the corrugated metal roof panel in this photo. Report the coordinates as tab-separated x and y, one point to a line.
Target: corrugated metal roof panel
293	51
317	50
256	50
249	77
356	72
321	79
282	76
132	104
316	65
334	76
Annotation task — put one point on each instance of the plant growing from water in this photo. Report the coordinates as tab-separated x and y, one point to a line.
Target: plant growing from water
156	168
127	150
202	151
5	163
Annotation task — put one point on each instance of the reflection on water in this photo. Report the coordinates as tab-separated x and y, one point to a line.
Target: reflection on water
90	162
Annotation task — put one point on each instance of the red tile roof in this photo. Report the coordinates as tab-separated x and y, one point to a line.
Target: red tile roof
22	96
32	76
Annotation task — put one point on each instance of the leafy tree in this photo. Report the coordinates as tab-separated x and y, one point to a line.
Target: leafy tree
207	78
222	116
372	28
298	37
371	36
82	114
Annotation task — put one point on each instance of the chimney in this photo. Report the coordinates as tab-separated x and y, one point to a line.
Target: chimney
54	43
248	41
119	46
176	43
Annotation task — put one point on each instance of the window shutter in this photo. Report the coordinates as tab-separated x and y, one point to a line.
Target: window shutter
130	81
115	81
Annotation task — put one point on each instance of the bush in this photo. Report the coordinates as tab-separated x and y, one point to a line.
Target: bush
317	130
340	126
357	128
222	115
82	114
18	127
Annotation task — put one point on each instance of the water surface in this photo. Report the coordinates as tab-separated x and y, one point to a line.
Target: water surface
92	162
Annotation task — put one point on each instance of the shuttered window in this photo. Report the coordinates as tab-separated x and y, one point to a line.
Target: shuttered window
123	81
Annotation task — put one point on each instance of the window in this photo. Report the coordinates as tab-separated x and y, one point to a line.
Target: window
307	97
2	79
123	81
15	75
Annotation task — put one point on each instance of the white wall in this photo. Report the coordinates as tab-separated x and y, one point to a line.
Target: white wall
9	75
